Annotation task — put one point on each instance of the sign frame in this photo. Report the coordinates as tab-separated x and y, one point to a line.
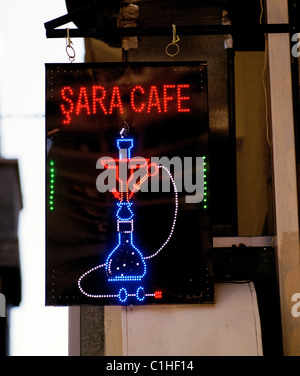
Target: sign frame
72	92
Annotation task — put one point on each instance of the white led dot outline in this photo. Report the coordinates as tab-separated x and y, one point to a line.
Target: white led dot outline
174	218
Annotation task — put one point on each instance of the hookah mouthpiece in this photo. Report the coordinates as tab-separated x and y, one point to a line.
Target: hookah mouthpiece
125	130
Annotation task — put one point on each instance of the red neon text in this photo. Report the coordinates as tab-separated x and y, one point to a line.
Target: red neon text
96	100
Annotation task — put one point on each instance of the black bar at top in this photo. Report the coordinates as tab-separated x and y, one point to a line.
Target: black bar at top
167	31
72	16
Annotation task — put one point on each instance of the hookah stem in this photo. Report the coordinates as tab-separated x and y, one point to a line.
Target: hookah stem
124	145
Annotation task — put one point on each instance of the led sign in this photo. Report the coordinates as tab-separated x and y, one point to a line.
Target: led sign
127	193
98	100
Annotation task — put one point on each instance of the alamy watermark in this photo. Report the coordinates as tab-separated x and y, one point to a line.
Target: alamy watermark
2	305
138	173
296	47
296	306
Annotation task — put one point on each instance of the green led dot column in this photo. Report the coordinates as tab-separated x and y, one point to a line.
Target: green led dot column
51	185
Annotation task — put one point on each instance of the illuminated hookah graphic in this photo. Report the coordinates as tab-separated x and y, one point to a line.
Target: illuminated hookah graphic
126	265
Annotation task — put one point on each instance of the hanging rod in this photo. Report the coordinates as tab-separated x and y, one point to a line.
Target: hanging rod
165	31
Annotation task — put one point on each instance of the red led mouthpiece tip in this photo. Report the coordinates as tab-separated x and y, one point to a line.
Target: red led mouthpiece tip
158	294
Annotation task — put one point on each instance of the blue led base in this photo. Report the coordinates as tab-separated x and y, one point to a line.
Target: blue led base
126	261
139	294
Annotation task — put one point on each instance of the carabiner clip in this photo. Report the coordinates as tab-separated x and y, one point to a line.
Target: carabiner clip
69	49
173	45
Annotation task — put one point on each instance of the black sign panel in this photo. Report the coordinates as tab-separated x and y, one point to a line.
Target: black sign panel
127	184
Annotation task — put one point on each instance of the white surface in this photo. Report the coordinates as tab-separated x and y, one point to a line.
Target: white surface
229	327
24	49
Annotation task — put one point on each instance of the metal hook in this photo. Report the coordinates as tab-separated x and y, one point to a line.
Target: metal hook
175	36
69	49
173	44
